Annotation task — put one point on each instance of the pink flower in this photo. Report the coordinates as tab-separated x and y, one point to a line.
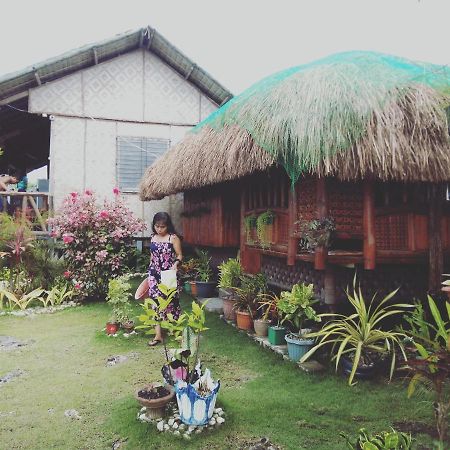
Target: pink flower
116	191
88	192
74	194
77	286
101	255
67	238
67	274
104	214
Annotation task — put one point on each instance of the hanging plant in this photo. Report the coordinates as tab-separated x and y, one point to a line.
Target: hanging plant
249	224
262	222
318	232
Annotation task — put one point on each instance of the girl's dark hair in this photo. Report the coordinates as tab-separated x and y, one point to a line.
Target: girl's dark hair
164	218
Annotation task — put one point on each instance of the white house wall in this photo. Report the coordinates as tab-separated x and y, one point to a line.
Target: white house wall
135	95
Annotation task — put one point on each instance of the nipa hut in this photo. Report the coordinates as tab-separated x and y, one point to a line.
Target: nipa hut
358	139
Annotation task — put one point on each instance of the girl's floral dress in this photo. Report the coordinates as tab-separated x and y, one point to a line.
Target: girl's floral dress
162	258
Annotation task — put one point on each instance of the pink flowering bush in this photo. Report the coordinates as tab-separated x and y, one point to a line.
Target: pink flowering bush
96	238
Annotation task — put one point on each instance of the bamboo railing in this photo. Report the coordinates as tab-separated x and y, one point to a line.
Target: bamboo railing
25	205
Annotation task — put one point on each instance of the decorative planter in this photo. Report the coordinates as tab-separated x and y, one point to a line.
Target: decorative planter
229	312
195	409
276	335
261	327
155	407
362	372
244	320
206	289
298	346
128	326
187	287
193	288
112	327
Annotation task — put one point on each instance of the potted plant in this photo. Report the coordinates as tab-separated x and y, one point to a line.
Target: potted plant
317	232
155	396
195	390
205	287
268	310
296	308
431	366
250	227
264	224
246	299
359	338
118	297
187	273
230	273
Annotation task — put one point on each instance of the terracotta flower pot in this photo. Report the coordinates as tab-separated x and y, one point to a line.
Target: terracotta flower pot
228	309
244	320
155	407
112	327
193	288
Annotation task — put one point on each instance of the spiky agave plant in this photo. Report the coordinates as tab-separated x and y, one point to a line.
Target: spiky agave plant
359	335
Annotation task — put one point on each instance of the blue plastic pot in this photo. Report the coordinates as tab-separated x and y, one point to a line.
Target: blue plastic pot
194	409
297	347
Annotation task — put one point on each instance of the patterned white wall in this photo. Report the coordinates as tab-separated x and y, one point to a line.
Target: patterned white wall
138	95
168	97
100	159
63	96
67	174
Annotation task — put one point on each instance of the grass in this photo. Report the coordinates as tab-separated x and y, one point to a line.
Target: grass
263	395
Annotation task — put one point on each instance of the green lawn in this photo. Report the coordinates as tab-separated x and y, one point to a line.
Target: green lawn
263	395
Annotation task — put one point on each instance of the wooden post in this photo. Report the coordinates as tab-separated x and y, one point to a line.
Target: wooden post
369	226
243	236
292	240
436	258
320	255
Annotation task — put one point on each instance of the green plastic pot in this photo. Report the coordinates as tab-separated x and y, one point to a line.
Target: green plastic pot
276	335
187	287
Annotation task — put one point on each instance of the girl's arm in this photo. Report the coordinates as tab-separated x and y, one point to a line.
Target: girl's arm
177	247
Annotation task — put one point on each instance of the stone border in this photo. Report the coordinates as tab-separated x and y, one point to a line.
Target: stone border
310	366
39	310
263	341
172	423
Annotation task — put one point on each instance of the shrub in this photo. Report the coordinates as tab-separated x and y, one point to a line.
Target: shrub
97	240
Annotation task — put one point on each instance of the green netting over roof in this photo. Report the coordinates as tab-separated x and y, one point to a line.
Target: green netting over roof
306	114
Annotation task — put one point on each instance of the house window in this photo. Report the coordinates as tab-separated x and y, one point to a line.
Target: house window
134	155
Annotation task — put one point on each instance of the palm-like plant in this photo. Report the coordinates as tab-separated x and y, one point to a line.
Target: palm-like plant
359	335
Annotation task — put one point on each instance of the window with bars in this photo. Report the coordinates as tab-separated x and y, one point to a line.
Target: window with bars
134	155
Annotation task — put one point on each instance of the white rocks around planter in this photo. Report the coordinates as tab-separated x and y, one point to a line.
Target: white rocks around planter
173	424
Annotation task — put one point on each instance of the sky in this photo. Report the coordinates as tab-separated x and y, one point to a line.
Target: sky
237	42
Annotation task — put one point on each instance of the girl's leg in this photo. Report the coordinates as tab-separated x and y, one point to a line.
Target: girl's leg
158	333
158	337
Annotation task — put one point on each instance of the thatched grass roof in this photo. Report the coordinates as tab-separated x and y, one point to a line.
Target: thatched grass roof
352	115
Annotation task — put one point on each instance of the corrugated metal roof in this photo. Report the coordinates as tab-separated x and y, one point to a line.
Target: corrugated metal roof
17	83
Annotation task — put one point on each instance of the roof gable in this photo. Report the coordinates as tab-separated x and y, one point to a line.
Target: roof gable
16	85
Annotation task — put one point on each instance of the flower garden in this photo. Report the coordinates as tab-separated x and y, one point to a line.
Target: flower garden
71	381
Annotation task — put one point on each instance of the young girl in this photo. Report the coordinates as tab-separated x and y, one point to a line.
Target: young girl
165	248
